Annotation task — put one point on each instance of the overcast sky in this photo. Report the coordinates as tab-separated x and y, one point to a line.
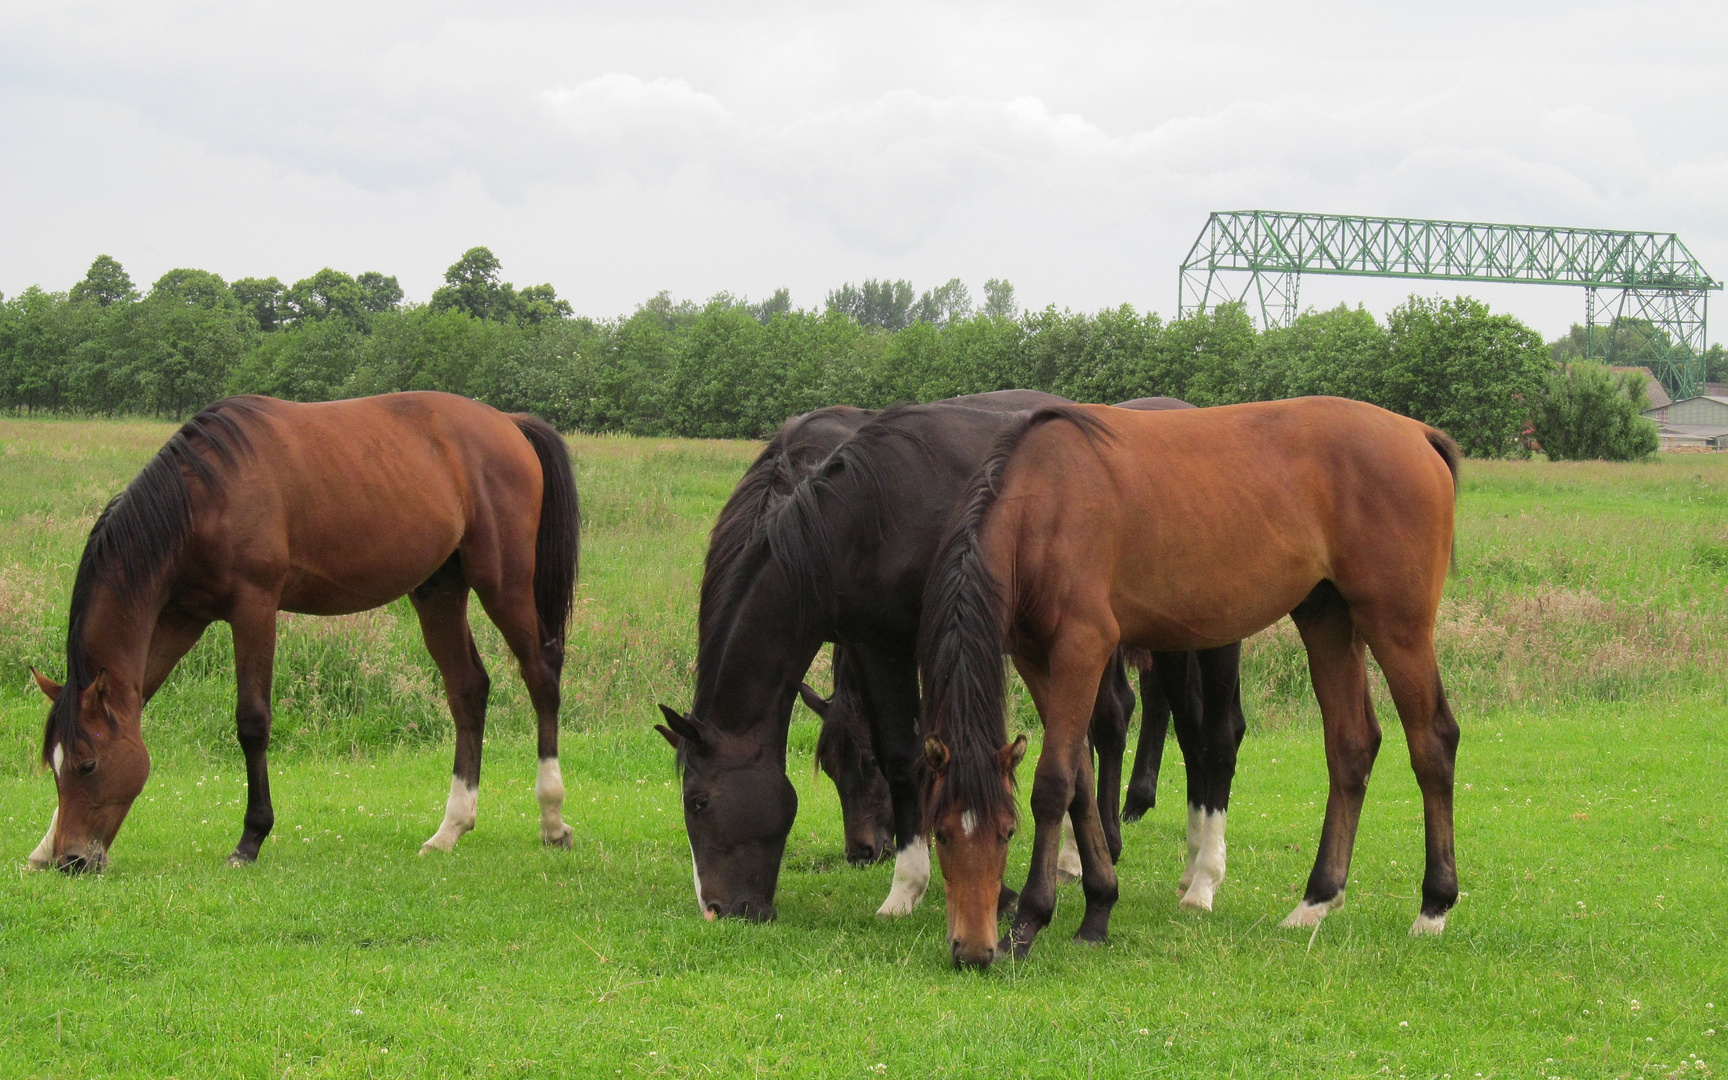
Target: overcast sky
619	149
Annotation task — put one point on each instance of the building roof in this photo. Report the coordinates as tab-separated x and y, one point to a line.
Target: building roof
1702	431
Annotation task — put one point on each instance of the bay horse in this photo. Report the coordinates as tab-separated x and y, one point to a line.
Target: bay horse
256	506
1173	684
1090	528
840	555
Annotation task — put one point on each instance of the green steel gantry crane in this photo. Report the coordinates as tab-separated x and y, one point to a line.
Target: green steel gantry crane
1646	291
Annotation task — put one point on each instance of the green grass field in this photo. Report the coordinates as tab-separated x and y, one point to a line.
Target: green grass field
1583	637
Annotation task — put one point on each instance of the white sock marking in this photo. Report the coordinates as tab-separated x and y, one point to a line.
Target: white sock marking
459	815
911	879
1429	924
44	853
1307	914
1068	866
549	789
1205	858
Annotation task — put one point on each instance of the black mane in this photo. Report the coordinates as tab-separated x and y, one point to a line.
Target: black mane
138	534
964	633
738	549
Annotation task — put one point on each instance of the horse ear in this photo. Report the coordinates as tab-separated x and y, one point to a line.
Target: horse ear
100	684
1011	755
684	730
936	754
815	702
49	687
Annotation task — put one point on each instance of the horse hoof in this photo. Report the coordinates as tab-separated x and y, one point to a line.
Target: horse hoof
241	859
562	840
1428	925
1197	899
1309	914
1091	937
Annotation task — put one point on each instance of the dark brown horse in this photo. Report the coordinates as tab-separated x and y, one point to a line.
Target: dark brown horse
257	506
1090	528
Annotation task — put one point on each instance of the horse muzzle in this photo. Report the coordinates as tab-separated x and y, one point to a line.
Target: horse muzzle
93	859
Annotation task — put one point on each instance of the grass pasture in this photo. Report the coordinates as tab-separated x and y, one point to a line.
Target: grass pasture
1584	639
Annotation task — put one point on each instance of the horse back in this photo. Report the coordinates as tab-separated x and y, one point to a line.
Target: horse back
345	505
1200	527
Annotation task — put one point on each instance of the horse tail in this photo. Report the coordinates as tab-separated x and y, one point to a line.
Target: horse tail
963	633
558	542
1447	448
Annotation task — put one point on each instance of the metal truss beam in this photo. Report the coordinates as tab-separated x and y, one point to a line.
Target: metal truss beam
1656	281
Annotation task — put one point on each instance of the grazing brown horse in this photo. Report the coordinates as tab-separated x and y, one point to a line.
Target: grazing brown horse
1089	528
257	506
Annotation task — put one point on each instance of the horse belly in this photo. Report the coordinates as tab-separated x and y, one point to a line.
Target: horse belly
368	549
1202	598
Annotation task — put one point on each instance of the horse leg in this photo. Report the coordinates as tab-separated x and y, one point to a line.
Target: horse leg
1413	676
1110	717
1064	693
1209	749
1177	675
1337	666
888	691
512	611
1098	865
1149	751
442	605
254	624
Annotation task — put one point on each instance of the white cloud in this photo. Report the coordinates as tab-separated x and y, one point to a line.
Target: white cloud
618	152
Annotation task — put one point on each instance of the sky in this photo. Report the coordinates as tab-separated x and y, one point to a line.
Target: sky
617	150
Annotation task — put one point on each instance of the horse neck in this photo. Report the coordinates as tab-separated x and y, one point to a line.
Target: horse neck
116	632
748	670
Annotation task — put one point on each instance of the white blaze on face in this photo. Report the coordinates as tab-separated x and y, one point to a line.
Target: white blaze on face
459	816
911	879
969	823
44	853
696	877
1205	870
549	790
59	758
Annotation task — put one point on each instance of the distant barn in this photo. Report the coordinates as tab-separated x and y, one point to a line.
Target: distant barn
1694	422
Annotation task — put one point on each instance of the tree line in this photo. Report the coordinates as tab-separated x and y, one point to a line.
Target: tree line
733	368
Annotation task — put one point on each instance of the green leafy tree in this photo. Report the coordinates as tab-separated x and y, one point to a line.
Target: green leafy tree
886	305
1589	412
474	286
1473	374
105	283
328	294
1343	352
382	292
184	342
946	303
999	302
262	298
778	304
536	304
